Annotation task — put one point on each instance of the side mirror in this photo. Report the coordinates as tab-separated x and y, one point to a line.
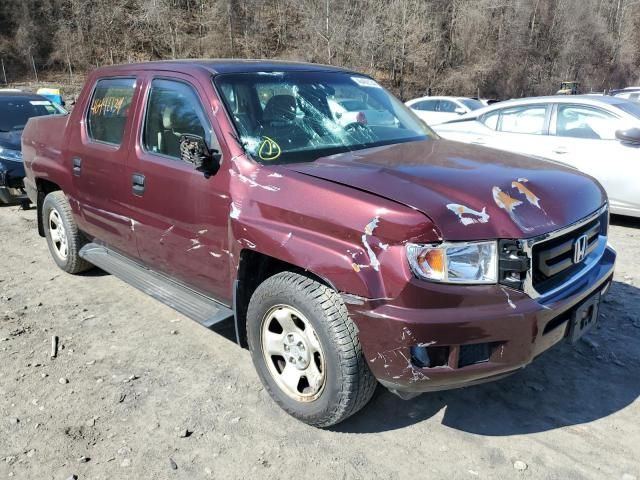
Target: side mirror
630	136
460	111
194	150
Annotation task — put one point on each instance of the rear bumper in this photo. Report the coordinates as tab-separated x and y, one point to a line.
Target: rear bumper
474	334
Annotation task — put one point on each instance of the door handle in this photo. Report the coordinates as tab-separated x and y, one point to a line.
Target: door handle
560	150
77	166
137	181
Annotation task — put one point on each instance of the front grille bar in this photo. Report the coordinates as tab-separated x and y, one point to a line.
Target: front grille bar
595	250
554	260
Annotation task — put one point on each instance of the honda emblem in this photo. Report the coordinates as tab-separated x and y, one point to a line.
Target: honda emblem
580	248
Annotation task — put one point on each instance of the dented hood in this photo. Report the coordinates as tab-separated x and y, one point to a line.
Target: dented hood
470	192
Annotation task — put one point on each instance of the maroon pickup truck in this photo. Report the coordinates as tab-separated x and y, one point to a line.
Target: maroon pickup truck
349	249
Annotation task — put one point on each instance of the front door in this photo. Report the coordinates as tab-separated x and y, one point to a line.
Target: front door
584	137
181	215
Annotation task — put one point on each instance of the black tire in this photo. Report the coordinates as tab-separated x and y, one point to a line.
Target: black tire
75	240
348	382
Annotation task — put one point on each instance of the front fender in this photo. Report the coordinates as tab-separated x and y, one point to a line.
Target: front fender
353	239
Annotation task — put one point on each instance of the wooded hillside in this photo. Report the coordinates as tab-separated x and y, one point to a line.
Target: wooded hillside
498	48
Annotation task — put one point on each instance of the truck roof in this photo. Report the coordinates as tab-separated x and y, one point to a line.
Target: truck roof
224	65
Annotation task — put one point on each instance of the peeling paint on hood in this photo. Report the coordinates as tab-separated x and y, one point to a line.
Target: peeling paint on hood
430	175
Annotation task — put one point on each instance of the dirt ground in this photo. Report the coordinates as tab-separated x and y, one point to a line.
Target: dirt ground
141	392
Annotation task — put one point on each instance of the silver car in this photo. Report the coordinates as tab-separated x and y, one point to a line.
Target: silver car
597	135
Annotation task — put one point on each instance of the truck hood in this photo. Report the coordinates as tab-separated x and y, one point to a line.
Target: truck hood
469	192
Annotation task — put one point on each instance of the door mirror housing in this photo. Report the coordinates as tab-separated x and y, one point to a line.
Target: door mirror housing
460	111
630	136
194	150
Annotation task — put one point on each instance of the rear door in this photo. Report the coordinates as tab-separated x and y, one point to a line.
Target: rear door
181	214
96	157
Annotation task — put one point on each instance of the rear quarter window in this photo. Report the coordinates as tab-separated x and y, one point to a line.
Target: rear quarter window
109	109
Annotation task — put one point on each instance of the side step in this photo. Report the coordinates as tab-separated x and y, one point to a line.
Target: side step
203	310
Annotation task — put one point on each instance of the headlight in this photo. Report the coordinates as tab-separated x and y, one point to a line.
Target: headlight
6	154
463	262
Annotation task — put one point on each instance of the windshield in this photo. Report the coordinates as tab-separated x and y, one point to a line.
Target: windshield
630	107
287	117
471	104
15	112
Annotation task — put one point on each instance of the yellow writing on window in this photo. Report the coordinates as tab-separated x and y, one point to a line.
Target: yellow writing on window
107	105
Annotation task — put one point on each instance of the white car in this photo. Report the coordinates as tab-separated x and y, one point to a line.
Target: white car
347	111
436	110
630	93
597	135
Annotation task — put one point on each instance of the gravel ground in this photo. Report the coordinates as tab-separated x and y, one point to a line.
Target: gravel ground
139	391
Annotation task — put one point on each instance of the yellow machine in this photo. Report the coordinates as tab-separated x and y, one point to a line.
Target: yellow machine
568	88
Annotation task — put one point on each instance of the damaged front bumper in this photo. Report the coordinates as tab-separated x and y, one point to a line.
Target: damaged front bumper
438	337
11	182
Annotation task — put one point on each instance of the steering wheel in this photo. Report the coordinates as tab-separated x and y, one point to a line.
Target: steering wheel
358	128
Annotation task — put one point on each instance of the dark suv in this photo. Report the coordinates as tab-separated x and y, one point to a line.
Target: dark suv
16	108
347	252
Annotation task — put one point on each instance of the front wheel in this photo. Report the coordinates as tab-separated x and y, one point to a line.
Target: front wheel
306	350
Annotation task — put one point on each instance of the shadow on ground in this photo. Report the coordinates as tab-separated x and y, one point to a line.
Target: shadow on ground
567	385
629	222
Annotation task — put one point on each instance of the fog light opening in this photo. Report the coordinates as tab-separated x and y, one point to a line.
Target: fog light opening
429	357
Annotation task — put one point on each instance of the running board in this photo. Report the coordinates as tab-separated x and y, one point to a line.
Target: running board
200	308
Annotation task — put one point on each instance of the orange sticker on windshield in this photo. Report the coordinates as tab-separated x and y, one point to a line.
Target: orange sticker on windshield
269	149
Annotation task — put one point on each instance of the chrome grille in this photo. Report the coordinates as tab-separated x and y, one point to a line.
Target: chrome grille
556	255
552	255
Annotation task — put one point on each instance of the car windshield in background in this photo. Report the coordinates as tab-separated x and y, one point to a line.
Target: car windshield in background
286	117
15	112
471	104
632	108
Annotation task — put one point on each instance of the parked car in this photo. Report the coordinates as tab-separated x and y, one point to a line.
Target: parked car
597	135
486	101
347	111
436	110
629	93
15	109
347	255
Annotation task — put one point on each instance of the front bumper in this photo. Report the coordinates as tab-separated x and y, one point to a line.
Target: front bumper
11	182
474	333
12	195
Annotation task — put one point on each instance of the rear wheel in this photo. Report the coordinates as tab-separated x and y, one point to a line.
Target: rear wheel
306	350
62	234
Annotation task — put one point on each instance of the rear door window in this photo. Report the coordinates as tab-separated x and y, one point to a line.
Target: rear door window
426	105
529	119
447	106
109	109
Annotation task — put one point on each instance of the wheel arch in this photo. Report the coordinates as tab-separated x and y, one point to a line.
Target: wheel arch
44	187
254	268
